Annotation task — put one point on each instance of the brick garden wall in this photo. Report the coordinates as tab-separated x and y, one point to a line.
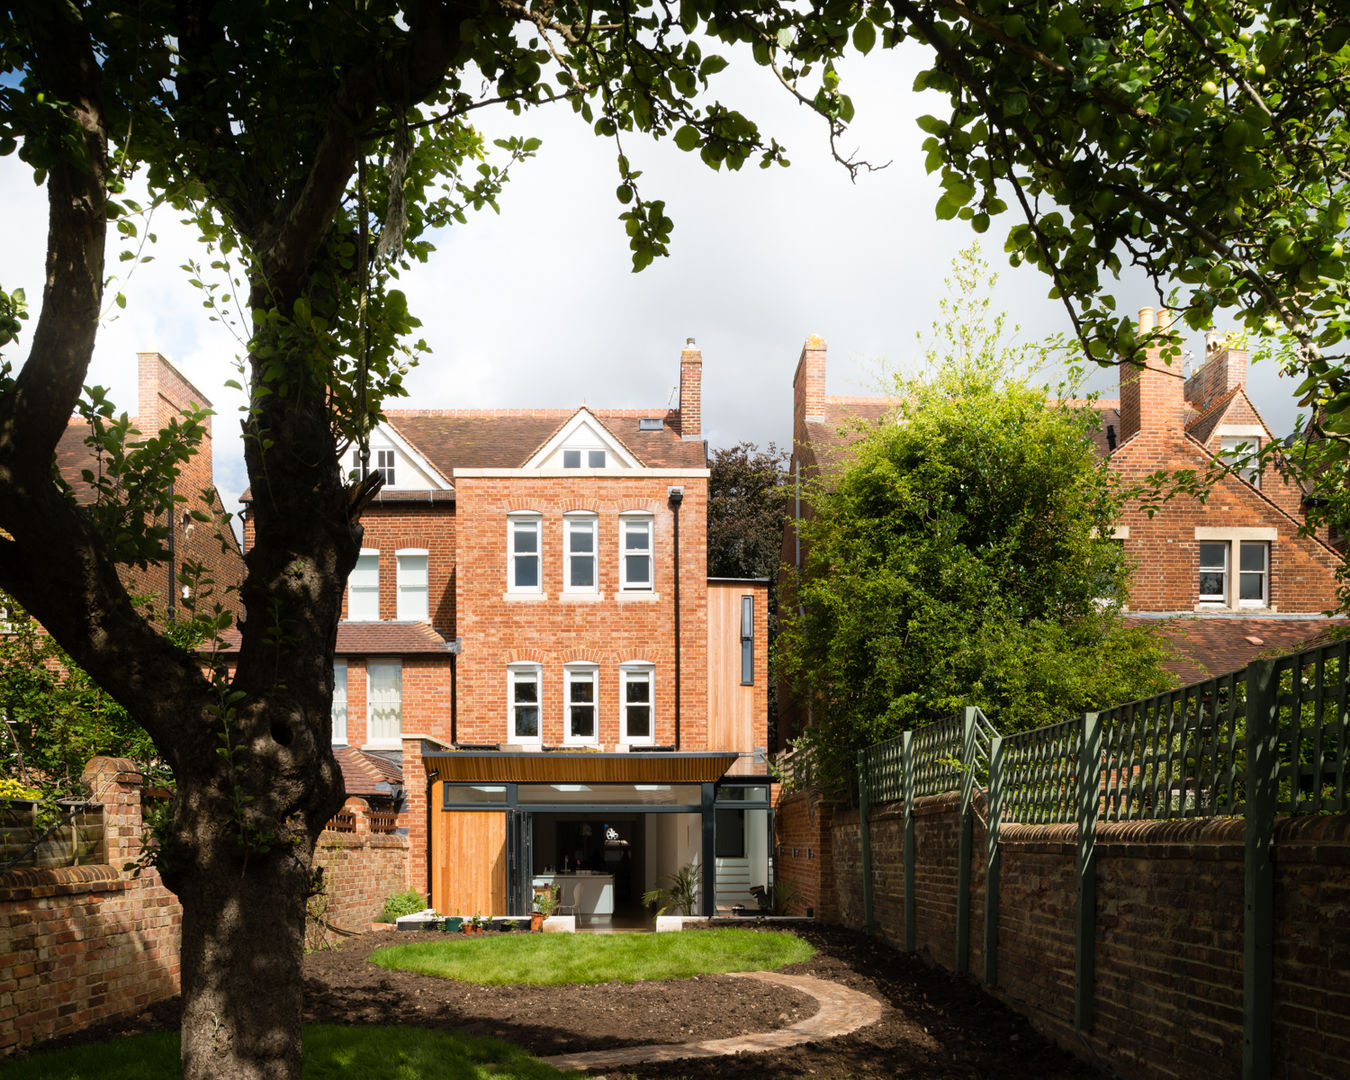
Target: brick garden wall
83	944
1169	935
361	869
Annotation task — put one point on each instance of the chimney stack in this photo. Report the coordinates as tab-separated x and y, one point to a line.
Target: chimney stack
691	391
1152	398
808	387
1224	369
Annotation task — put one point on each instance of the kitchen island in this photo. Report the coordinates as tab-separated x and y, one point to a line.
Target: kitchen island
591	891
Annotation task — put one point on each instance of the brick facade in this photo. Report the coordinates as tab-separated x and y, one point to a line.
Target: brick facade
1168	931
361	869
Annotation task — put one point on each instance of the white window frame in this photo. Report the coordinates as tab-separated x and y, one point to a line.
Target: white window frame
339	702
520	524
572	524
637	671
1225	571
380	731
575	675
637	522
414	585
363	600
1228	451
1264	573
386	462
520	674
1232	538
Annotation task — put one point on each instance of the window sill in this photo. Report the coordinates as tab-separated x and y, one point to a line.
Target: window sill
636	596
588	744
1214	608
581	597
524	597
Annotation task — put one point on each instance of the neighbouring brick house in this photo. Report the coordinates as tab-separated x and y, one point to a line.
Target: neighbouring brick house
1225	579
532	652
163	394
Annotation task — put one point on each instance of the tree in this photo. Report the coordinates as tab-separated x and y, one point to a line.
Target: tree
747	509
1202	143
316	147
958	559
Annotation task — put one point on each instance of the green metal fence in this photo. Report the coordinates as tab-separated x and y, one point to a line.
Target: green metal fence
1270	739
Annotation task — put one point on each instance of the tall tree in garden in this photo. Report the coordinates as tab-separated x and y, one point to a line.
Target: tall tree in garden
747	509
958	558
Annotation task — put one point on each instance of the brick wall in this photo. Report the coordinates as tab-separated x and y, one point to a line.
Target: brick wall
1169	937
81	945
554	628
361	870
84	944
805	854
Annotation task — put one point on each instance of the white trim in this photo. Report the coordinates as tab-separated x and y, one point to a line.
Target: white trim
414	600
384	739
571	673
1263	600
567	474
1230	533
627	673
571	524
627	519
365	591
513	675
431	477
339	706
573	435
513	520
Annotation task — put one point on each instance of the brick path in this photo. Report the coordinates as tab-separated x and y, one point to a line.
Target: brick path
841	1011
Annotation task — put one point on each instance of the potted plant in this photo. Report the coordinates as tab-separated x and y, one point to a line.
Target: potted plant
545	904
474	925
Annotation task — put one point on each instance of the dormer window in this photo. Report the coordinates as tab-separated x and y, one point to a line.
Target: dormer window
382	462
595	459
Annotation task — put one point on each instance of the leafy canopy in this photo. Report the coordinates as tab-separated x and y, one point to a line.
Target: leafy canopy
958	558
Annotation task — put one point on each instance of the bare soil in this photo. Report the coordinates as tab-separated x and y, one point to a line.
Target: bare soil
935	1026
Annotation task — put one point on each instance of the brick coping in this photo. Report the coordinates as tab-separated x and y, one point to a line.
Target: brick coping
841	1012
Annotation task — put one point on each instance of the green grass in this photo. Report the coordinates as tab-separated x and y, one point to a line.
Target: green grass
560	959
331	1053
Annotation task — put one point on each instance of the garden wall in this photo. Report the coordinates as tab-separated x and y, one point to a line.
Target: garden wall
83	944
1168	932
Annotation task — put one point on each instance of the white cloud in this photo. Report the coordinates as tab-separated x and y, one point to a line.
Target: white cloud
539	307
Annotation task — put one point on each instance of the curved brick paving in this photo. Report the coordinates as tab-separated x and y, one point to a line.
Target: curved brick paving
841	1011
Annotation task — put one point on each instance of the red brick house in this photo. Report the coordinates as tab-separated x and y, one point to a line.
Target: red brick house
1226	578
531	637
163	394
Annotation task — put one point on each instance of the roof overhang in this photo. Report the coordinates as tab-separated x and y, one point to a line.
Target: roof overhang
552	767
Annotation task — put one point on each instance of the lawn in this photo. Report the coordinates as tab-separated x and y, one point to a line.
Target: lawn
562	959
331	1053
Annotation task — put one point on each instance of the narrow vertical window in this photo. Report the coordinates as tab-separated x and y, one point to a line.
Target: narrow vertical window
635	556
1236	448
581	704
523	557
637	722
523	690
1214	573
412	585
384	702
1254	574
363	588
579	558
339	702
747	641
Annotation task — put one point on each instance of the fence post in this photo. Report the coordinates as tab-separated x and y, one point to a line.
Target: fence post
865	829
1258	924
994	809
907	780
1085	922
963	844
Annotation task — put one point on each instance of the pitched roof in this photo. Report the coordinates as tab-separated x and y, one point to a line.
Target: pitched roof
367	774
1202	426
373	639
1208	646
507	438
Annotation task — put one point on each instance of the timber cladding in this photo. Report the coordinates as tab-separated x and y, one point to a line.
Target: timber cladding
1168	935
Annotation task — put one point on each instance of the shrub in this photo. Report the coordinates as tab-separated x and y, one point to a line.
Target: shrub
404	903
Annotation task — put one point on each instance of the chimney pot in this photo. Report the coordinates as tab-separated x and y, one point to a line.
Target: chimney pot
1145	319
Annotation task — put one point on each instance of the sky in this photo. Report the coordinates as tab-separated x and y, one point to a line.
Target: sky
538	306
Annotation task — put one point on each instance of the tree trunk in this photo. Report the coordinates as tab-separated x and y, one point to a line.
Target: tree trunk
243	942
